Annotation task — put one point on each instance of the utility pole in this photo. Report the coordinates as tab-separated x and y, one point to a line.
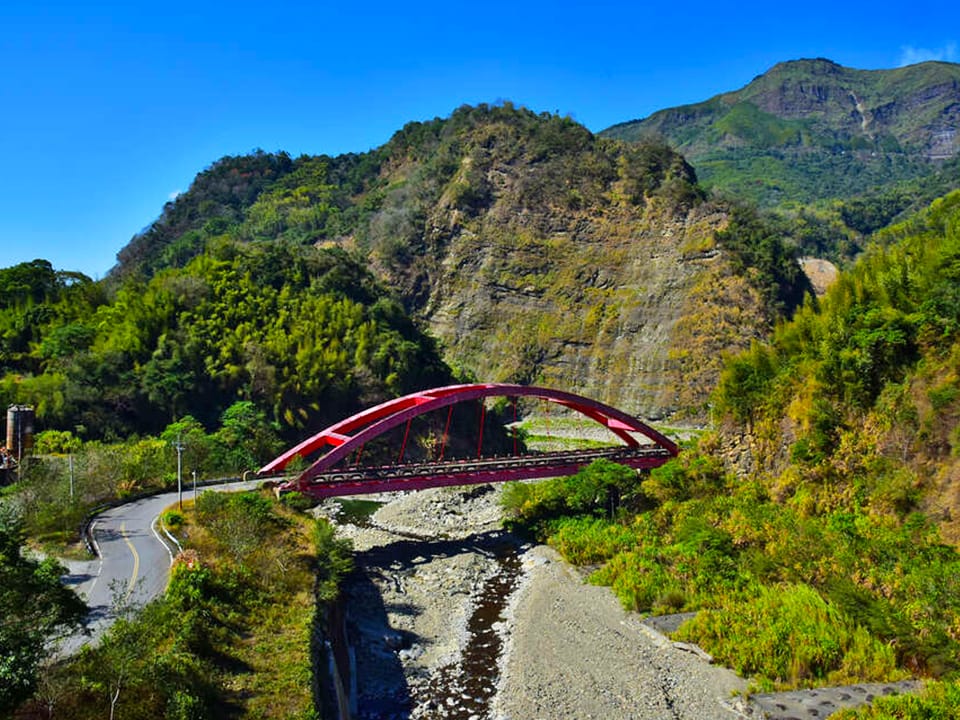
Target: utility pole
179	447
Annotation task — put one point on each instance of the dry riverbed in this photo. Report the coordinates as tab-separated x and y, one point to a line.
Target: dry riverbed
452	618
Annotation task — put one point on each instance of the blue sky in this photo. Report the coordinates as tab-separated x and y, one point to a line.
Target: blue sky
108	109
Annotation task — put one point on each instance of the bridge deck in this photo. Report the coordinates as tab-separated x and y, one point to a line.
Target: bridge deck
419	476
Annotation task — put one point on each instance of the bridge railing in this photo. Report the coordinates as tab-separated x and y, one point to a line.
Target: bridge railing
555	461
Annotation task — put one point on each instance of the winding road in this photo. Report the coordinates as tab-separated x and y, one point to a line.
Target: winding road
134	561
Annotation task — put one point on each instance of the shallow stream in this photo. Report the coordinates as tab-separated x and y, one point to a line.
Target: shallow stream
463	691
356	511
394	687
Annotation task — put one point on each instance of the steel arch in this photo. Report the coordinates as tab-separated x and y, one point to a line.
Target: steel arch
352	433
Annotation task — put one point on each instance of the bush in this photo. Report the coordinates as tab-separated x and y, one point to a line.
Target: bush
937	701
638	581
334	560
692	475
585	540
242	523
173	519
790	636
299	502
57	442
597	491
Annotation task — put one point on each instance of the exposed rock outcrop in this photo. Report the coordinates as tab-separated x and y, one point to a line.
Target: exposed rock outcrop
551	256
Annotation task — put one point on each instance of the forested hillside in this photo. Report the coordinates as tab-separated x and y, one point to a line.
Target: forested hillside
838	152
532	250
305	334
863	390
817	528
849	423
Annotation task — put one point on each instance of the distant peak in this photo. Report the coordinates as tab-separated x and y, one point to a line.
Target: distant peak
814	65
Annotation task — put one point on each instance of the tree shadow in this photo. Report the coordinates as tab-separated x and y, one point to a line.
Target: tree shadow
384	688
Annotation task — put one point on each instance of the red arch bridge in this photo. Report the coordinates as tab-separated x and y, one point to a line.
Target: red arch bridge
328	476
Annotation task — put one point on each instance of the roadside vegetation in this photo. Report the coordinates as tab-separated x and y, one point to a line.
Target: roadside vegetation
35	609
65	479
815	531
231	638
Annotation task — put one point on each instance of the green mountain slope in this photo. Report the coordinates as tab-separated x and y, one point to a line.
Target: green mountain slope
533	250
850	419
863	389
305	334
816	531
811	129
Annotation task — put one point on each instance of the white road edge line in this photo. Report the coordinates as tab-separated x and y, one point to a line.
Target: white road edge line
153	527
163	526
96	547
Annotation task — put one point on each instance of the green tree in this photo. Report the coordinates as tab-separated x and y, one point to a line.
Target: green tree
745	383
56	442
29	282
246	438
198	446
759	252
166	378
34	608
596	490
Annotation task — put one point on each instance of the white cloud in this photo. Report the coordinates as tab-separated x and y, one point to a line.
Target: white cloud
910	55
174	195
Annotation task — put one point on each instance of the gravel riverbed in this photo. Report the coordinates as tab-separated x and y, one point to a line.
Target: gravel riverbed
432	564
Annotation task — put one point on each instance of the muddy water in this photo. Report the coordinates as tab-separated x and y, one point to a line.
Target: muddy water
357	512
463	691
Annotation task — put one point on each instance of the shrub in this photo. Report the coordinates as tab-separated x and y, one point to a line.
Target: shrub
937	701
638	581
585	540
597	490
790	636
173	519
692	475
334	560
58	442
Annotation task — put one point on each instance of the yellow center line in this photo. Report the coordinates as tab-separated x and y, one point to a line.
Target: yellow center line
136	562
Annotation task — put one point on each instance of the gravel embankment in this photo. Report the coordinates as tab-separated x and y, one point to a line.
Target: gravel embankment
569	649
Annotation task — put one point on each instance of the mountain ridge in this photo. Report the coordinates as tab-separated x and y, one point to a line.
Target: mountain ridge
532	249
846	129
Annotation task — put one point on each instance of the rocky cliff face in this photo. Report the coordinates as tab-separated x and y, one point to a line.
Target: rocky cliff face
598	305
916	108
534	251
592	267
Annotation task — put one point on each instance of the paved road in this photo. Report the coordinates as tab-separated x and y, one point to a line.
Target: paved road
134	563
